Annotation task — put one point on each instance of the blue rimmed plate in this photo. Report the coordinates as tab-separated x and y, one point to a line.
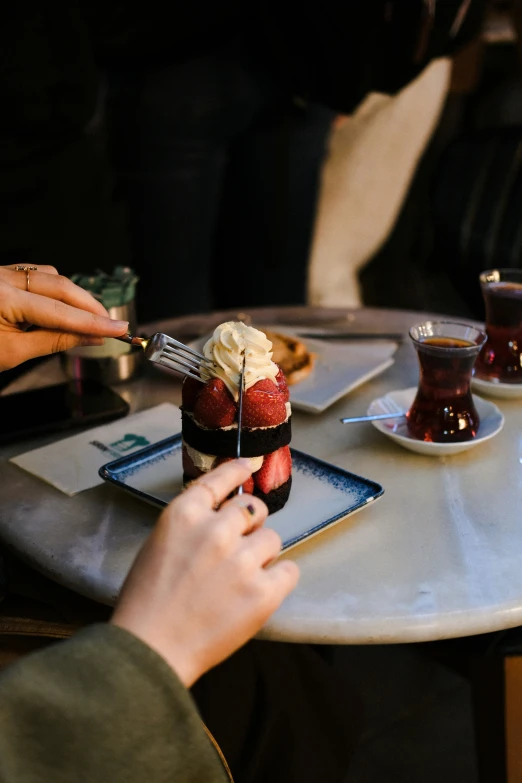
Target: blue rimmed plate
322	494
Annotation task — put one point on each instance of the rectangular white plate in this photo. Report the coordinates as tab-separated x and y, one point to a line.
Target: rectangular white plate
321	495
339	368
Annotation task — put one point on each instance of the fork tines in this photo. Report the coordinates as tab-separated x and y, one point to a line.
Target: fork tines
185	360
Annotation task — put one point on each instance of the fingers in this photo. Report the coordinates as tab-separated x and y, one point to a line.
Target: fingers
56	315
54	286
243	513
41	342
216	485
281	578
260	547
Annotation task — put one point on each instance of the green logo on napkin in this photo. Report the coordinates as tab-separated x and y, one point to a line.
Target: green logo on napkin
128	443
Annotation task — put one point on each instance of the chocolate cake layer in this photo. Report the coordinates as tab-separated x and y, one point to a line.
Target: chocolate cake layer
223	443
189	479
276	499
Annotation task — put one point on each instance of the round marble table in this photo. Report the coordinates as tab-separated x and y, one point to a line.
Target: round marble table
438	556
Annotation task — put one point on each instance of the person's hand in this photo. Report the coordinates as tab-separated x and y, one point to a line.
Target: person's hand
66	314
203	583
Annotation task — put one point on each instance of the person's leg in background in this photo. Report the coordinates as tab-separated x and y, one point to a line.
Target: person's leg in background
169	131
280	713
268	208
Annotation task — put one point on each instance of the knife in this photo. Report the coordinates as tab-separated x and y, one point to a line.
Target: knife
240	415
395	336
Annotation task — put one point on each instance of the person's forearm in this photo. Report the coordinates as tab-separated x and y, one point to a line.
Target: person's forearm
103	707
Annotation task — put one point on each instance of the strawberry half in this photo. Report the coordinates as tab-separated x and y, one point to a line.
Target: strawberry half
215	406
189	469
190	392
263	405
282	385
275	470
248	486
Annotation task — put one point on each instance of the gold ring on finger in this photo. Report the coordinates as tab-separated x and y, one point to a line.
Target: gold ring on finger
26	269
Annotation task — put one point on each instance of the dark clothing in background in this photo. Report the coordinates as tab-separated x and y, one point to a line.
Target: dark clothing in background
211	164
281	713
56	200
219	171
230	180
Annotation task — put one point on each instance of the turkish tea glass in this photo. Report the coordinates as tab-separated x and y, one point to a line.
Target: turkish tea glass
443	410
500	360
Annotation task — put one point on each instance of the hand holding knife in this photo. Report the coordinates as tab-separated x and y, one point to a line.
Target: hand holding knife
240	414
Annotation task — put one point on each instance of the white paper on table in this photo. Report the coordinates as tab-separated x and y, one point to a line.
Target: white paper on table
72	464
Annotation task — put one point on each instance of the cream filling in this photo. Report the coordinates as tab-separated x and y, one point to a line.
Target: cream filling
205	462
202	461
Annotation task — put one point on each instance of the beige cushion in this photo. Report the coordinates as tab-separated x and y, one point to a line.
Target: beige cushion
371	162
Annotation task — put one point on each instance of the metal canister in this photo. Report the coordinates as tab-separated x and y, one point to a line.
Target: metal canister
113	362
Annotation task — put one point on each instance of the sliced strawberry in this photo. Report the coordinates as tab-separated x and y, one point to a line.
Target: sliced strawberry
274	471
282	385
189	469
263	405
215	406
190	393
248	486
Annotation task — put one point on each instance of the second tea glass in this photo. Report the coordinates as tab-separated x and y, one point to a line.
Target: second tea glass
443	410
500	360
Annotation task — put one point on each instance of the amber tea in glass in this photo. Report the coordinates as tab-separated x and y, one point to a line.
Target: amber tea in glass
443	410
500	360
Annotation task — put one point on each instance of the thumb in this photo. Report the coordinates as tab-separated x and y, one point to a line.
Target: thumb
21	346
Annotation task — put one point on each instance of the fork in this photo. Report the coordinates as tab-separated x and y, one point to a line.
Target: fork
165	350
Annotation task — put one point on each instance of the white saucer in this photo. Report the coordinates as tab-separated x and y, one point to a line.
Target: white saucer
505	391
491	422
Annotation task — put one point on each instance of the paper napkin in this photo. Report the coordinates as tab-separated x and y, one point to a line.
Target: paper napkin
71	465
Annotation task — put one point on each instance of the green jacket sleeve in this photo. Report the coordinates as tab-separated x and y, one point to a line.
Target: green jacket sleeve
101	707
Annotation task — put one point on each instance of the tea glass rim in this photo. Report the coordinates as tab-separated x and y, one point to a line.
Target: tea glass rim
499	275
463	350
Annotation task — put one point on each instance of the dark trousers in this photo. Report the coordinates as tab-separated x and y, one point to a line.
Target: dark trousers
219	172
281	713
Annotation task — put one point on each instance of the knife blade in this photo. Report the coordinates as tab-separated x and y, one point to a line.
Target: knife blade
240	415
395	336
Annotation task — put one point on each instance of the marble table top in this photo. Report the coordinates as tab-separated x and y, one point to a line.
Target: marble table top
438	556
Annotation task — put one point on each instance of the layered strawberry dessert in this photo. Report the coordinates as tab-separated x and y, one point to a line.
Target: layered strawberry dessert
210	413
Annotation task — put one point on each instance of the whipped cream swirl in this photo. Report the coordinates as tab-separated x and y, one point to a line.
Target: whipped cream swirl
226	348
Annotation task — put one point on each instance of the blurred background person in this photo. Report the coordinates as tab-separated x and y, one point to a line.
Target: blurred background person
216	122
215	166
